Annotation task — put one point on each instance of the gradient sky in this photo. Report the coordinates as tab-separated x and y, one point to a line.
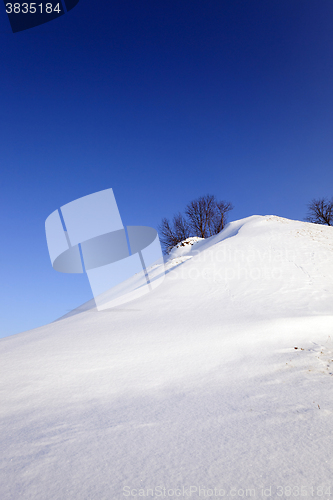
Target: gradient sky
163	101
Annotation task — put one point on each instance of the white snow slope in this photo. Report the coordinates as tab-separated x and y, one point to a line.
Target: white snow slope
195	390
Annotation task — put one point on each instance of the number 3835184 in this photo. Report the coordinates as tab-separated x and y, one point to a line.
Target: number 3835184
32	8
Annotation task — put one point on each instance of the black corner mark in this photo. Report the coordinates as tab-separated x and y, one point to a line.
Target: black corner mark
70	4
26	15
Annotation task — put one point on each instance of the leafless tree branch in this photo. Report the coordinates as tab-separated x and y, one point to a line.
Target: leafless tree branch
320	211
204	217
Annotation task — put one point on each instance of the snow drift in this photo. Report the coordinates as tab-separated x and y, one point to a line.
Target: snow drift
219	381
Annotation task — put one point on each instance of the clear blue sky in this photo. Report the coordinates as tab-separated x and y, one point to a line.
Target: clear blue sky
164	101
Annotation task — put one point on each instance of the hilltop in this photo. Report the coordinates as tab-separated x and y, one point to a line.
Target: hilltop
220	378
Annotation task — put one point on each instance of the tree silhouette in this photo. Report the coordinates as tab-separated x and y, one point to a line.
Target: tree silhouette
204	217
320	211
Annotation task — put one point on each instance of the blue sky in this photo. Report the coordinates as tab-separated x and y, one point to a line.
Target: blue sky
163	101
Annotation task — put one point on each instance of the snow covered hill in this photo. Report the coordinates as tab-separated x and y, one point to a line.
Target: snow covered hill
219	383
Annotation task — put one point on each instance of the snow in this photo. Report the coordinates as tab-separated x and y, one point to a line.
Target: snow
220	378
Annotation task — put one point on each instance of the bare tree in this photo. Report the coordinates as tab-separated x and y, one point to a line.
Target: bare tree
220	219
181	227
201	214
204	217
320	211
171	234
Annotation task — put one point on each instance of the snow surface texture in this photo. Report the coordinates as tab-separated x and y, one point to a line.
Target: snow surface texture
221	379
